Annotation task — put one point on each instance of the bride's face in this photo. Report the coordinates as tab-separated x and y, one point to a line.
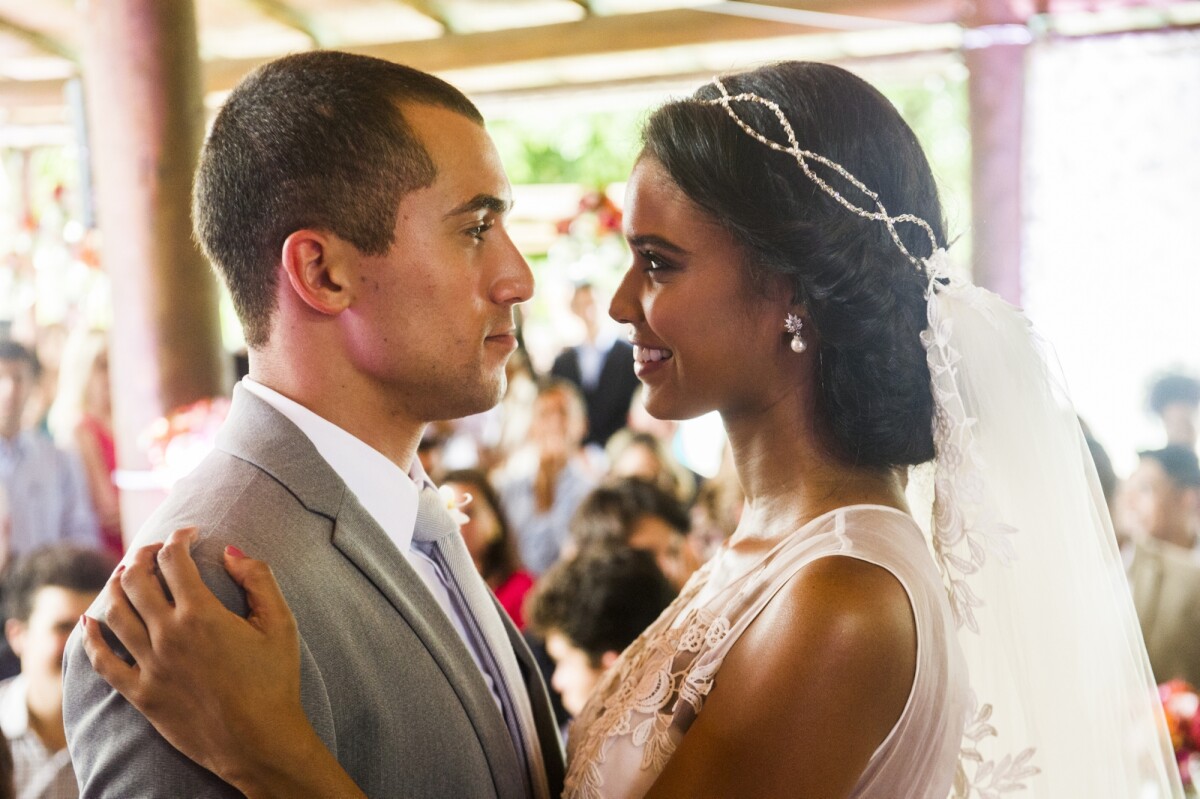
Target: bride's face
703	338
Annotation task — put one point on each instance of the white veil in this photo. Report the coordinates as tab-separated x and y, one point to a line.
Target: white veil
1066	705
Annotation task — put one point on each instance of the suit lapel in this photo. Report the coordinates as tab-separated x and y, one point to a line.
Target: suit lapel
543	713
257	433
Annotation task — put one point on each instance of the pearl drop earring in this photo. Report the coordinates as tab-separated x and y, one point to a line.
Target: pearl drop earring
794	324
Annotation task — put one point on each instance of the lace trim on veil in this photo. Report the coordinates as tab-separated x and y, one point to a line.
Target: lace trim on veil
964	530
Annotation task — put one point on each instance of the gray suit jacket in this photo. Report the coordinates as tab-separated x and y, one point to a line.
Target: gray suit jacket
385	680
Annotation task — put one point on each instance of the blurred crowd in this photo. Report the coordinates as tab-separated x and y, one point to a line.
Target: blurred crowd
573	506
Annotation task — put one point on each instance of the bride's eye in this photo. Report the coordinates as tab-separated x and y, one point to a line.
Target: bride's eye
654	262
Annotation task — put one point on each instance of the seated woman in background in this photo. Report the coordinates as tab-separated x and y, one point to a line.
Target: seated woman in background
81	419
489	540
588	608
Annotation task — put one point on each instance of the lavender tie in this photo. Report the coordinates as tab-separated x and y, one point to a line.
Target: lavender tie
439	536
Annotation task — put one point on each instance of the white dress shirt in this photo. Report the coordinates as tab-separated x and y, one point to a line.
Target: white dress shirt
384	490
591	356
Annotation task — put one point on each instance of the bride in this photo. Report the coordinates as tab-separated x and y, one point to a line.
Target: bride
789	270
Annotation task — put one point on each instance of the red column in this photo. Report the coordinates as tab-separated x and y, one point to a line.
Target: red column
146	124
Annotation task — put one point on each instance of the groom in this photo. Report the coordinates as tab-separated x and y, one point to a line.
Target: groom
355	209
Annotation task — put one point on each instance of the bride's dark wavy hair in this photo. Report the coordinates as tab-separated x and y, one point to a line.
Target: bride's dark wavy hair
863	297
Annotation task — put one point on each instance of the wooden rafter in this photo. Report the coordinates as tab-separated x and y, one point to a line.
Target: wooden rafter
293	18
923	11
436	10
47	44
618	33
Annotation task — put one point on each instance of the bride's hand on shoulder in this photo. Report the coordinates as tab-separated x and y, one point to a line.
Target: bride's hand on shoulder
222	689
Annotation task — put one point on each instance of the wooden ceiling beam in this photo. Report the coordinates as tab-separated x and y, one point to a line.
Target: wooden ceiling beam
594	35
47	44
293	18
436	10
915	11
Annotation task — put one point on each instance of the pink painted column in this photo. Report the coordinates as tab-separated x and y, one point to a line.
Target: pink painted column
146	124
995	56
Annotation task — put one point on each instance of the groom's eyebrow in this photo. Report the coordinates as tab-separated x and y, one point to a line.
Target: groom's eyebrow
482	202
651	241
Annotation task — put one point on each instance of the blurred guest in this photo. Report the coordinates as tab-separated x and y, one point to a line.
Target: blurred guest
1165	583
515	410
49	341
1175	399
47	492
589	608
717	509
8	786
635	454
44	595
542	495
1109	485
640	420
635	513
486	534
81	419
1164	496
602	367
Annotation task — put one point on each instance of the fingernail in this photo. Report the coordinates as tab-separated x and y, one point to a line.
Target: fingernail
233	551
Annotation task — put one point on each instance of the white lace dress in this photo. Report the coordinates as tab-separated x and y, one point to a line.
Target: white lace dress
645	704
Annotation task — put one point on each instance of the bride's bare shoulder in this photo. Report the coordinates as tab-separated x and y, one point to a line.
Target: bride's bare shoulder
810	690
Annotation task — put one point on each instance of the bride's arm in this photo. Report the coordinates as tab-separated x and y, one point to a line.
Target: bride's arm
223	690
808	692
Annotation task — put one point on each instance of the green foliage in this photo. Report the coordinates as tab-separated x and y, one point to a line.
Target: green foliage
936	107
592	149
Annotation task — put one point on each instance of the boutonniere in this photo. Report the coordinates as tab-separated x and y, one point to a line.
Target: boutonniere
454	506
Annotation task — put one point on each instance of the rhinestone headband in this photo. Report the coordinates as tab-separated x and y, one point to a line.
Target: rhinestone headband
880	214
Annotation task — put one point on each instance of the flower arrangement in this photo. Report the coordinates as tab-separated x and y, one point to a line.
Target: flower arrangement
1180	704
177	442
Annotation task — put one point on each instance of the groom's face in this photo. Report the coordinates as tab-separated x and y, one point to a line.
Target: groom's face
433	320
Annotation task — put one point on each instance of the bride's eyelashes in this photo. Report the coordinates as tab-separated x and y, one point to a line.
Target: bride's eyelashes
653	262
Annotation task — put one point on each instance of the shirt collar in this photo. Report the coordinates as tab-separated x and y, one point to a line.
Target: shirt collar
14	712
382	487
604	342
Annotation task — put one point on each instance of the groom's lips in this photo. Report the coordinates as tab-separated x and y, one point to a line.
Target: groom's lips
506	338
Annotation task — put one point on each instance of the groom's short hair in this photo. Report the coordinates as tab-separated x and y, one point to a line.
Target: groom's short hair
312	140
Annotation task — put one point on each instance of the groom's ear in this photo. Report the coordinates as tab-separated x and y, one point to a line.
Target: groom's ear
317	265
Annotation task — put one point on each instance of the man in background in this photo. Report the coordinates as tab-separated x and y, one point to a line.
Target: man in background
1163	497
601	366
47	494
44	594
1175	399
589	607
